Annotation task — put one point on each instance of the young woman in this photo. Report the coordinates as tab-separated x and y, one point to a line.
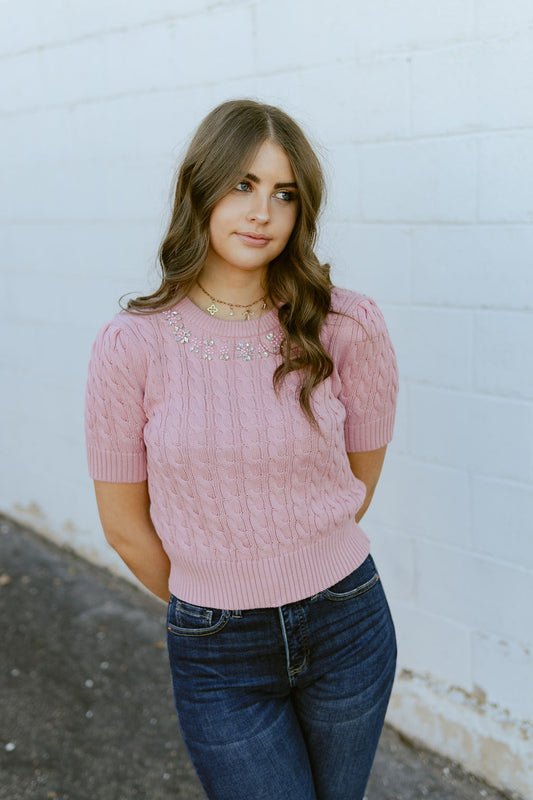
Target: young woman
237	421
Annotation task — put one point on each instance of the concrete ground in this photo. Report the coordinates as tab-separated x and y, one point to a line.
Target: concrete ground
86	704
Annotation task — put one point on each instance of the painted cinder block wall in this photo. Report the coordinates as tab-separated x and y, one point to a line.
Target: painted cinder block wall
422	113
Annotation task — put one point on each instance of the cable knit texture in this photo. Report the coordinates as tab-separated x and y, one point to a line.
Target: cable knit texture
254	507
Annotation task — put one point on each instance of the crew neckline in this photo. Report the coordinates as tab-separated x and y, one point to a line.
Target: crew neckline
228	328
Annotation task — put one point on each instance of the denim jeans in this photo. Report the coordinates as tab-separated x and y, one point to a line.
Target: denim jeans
285	703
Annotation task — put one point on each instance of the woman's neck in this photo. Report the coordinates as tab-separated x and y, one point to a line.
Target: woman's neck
230	295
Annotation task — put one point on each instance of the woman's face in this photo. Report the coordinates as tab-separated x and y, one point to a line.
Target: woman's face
252	224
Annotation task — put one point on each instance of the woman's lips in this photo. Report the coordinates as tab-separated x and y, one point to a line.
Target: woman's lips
253	240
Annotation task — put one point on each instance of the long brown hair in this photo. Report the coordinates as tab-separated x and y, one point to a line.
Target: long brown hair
297	283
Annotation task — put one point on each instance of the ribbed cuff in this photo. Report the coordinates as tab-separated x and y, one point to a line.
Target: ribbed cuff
105	465
371	436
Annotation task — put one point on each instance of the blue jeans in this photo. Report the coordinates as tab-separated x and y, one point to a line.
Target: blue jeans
285	703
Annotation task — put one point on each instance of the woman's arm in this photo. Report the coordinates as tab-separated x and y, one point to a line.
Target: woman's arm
367	467
124	510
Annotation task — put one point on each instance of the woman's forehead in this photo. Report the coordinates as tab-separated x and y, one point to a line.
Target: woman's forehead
270	161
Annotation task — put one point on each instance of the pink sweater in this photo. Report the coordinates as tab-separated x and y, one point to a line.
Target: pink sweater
254	507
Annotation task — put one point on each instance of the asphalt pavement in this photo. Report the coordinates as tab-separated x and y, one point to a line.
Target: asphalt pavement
85	695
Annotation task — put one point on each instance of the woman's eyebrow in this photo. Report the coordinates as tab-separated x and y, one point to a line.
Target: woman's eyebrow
251	177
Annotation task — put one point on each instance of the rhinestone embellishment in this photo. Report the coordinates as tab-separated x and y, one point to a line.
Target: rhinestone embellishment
207	349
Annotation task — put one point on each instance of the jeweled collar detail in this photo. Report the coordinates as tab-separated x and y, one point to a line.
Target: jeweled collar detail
261	345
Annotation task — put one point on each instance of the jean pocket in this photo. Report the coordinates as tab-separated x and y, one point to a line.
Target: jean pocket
186	619
360	581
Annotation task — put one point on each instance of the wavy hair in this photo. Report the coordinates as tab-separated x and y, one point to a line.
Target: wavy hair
225	143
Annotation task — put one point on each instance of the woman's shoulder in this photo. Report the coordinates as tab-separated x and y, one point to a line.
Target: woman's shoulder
126	339
129	325
354	316
341	298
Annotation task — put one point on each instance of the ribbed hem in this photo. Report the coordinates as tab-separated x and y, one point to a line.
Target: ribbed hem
269	582
105	465
375	434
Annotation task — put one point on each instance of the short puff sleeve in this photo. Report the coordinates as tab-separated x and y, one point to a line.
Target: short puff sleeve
114	412
366	364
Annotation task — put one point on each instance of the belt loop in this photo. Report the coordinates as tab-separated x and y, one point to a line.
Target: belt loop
236	614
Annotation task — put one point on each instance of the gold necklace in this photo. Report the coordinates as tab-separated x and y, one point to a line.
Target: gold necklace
247	313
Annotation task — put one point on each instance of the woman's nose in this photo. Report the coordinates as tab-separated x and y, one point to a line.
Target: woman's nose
259	208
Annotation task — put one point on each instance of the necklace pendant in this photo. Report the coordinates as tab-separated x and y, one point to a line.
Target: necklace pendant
248	313
231	311
212	309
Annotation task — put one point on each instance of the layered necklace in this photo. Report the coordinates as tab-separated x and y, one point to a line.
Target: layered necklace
248	308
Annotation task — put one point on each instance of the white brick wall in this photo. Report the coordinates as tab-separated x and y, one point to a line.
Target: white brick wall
476	266
477	591
421	111
507	667
505	177
495	18
420	181
503	348
424	500
489	435
481	85
361	255
429	643
501	522
435	345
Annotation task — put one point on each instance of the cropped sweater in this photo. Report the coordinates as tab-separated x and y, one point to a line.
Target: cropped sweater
254	507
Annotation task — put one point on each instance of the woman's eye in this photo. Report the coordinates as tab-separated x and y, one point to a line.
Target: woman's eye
243	186
286	195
